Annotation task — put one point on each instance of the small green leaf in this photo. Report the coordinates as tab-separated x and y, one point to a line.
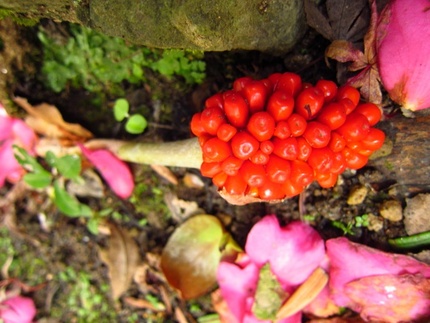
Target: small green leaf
136	124
38	180
68	166
69	204
93	225
25	160
120	109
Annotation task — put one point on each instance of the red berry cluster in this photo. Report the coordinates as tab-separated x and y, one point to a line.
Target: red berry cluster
271	138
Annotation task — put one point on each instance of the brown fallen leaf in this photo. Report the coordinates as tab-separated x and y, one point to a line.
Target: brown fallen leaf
166	173
143	303
122	258
50	115
368	78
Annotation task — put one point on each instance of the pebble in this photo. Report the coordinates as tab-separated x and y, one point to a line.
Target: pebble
357	195
417	212
391	210
376	223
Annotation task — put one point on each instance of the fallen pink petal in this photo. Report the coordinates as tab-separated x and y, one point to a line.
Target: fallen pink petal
13	131
293	252
116	173
283	246
403	50
17	309
387	276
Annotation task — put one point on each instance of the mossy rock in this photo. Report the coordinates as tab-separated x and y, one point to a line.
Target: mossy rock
217	25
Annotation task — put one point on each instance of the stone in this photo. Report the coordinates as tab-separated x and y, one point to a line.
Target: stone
219	25
391	210
357	195
416	214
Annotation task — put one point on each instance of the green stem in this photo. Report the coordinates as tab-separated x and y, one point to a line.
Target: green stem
413	241
183	153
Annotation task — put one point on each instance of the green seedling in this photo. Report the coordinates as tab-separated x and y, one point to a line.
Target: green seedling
135	124
62	169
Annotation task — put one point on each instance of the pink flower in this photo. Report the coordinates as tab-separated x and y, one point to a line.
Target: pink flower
116	173
380	286
403	48
17	309
13	131
293	253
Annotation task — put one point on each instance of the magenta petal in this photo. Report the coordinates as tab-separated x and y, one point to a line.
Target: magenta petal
350	261
10	169
5	128
237	286
17	309
115	172
403	49
24	136
391	298
293	251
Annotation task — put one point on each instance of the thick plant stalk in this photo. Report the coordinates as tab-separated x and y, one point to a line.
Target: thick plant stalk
183	153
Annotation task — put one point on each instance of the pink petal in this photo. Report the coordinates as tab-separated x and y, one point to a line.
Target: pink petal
238	286
350	261
17	309
5	127
403	49
391	298
24	136
293	251
115	172
10	169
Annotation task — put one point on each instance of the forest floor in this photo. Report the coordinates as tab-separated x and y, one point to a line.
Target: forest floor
42	247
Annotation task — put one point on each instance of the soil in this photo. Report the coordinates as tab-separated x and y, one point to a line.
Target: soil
46	244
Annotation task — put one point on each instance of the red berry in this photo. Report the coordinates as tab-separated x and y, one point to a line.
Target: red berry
286	148
290	83
309	102
216	150
215	100
333	115
196	125
370	111
261	125
297	124
226	131
321	159
236	109
304	149
211	118
328	88
348	92
255	92
244	145
355	128
278	169
210	169
282	130
254	175
280	105
317	134
235	185
231	165
271	191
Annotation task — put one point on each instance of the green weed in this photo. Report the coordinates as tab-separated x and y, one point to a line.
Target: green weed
100	63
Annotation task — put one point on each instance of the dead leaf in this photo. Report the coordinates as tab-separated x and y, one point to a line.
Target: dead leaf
339	19
166	173
122	258
143	303
180	209
221	307
193	181
50	115
91	186
367	80
192	254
